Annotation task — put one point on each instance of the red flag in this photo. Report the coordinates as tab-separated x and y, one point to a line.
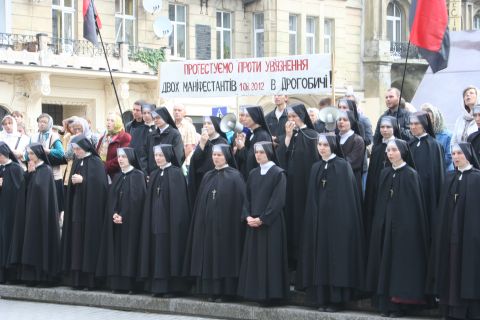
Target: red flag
89	17
429	31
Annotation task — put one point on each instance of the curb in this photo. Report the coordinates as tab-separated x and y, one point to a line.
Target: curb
180	306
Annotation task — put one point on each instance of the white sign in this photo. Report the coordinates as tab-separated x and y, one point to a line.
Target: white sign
303	74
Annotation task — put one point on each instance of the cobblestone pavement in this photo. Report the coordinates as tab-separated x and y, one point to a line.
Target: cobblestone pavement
23	310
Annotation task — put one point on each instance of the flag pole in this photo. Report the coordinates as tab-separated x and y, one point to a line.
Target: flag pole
106	59
404	72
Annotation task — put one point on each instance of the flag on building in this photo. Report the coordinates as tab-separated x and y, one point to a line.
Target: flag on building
89	15
429	31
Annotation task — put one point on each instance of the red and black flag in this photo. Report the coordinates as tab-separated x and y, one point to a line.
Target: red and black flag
89	16
429	31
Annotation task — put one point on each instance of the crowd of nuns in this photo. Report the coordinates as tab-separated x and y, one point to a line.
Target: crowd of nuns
258	215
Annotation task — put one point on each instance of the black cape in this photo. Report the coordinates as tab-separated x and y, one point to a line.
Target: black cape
297	160
264	269
474	139
216	233
246	157
169	136
83	222
354	152
139	135
118	255
331	264
35	249
378	162
13	177
428	157
456	255
398	253
164	230
200	163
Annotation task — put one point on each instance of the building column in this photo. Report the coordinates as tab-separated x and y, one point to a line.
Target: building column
37	86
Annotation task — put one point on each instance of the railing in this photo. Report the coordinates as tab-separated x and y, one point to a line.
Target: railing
18	42
398	50
82	48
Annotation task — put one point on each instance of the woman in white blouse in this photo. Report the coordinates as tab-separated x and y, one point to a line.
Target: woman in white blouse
465	124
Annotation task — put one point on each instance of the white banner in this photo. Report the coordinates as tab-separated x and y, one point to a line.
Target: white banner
303	74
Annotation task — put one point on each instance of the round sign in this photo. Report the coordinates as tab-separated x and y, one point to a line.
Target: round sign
152	6
162	27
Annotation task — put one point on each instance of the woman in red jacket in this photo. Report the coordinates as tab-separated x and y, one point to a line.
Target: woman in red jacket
114	137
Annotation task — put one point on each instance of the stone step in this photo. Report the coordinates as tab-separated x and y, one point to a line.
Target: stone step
185	305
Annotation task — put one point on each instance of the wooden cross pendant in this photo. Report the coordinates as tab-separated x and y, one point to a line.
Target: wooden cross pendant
391	193
456	196
213	194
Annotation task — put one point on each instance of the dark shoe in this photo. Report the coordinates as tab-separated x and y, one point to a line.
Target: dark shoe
119	291
271	303
385	314
322	308
396	314
332	309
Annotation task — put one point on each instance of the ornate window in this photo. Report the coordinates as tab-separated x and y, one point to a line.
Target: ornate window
258	35
224	35
328	35
394	22
292	34
311	35
178	39
476	22
63	12
125	21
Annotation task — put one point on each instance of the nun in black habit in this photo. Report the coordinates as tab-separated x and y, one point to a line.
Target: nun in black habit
84	215
332	258
141	131
245	155
166	132
11	179
297	152
215	240
474	138
264	269
164	226
398	254
352	144
35	249
118	256
201	161
428	156
456	254
389	130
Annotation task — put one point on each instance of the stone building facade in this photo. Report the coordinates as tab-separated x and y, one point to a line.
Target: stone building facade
46	65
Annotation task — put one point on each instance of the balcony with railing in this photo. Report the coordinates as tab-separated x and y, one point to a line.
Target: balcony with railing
41	50
398	51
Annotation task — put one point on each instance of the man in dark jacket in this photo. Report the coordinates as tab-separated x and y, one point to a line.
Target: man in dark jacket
277	118
137	118
392	100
